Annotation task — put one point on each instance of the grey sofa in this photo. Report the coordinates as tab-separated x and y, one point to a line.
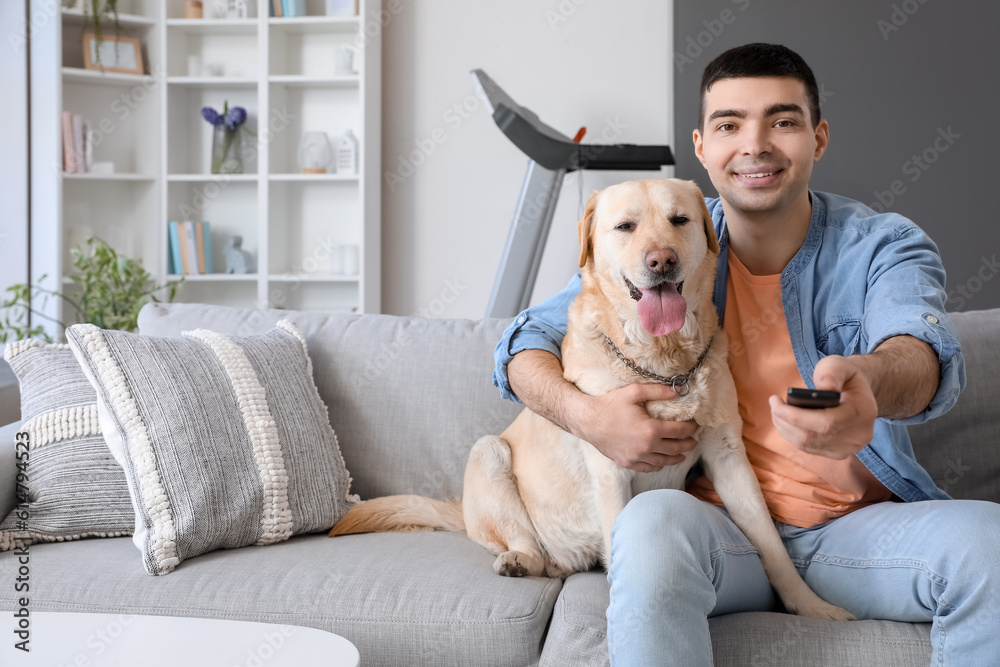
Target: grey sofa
407	398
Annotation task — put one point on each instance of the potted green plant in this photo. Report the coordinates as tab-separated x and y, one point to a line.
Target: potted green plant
96	13
109	290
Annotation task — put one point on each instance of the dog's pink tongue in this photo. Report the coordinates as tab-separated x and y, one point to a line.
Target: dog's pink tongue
662	309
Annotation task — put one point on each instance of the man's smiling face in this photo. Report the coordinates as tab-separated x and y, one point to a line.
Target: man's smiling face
758	142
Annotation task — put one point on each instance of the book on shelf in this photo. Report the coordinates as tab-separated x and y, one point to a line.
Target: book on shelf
191	246
199	239
292	8
77	151
69	146
78	141
175	257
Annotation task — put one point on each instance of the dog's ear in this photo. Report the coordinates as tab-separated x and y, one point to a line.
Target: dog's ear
585	228
713	239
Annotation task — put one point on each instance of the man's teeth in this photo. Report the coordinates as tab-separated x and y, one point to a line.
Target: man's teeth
770	173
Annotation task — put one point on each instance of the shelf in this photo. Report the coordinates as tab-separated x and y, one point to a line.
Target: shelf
227	82
292	75
301	81
315	24
107	177
210	178
312	278
213	277
307	178
93	76
214	26
76	16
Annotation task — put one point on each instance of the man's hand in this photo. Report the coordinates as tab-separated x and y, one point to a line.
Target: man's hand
617	423
835	433
896	380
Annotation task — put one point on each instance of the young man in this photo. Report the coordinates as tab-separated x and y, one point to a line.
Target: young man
815	290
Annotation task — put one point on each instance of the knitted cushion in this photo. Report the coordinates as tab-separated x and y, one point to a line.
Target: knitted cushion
224	440
70	485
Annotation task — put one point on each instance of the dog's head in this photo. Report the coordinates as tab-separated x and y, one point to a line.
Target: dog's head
648	244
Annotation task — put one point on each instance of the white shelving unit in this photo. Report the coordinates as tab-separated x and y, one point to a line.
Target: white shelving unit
285	72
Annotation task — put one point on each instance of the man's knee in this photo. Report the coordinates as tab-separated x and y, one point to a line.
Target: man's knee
976	523
663	515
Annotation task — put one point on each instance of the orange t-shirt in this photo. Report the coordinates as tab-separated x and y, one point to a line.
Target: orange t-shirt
800	489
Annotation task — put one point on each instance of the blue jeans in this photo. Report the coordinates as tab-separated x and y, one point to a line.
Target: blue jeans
676	560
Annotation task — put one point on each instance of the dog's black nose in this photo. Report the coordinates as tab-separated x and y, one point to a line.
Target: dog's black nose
661	260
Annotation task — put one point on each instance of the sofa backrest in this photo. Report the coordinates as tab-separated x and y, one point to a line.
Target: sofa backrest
408	396
961	449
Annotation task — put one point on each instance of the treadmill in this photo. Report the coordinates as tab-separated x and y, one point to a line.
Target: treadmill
551	155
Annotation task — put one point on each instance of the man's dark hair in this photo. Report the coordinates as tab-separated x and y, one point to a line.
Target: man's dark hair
758	60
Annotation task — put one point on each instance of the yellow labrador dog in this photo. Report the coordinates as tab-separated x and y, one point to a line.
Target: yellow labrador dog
543	500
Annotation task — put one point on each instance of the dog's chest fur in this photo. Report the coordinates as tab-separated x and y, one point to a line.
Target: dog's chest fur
595	368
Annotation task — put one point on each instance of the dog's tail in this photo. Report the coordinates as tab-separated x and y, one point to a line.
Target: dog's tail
400	514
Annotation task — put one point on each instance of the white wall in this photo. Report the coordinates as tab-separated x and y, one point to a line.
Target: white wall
13	177
603	64
13	146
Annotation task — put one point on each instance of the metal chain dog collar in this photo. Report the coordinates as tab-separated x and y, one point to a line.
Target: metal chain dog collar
679	383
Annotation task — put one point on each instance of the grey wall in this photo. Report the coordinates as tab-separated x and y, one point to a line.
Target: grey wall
896	77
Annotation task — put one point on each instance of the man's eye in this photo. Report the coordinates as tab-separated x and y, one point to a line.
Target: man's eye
679	220
785	123
626	227
727	127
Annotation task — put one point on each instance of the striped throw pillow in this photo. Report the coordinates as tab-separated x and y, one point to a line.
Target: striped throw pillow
72	486
224	440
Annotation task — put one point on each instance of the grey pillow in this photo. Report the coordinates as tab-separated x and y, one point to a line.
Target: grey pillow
224	440
72	485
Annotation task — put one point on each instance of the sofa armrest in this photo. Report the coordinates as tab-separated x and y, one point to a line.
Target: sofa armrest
8	476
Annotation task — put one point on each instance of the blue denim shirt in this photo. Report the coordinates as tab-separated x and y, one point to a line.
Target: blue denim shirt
859	278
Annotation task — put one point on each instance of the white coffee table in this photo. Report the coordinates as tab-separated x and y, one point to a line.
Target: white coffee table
101	640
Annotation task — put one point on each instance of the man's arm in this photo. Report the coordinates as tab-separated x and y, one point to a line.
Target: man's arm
616	423
904	374
913	370
896	380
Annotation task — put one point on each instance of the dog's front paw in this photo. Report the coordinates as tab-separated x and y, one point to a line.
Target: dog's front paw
518	564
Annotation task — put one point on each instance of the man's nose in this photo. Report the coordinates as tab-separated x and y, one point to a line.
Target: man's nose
756	139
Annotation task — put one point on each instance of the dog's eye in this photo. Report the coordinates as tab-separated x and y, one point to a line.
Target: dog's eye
626	227
679	220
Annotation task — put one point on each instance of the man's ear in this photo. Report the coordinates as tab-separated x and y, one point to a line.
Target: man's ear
585	228
713	240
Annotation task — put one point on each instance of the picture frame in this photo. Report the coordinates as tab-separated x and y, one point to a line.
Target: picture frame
118	54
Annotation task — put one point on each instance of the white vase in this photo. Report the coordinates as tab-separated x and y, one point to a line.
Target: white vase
315	153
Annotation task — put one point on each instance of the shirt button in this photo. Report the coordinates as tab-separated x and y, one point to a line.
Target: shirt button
520	320
931	319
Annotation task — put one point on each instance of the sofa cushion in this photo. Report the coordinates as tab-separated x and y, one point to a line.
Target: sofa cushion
578	635
961	449
73	486
224	439
412	395
401	598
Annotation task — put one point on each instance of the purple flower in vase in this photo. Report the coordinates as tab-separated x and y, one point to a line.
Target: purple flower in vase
226	137
211	115
232	118
235	117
